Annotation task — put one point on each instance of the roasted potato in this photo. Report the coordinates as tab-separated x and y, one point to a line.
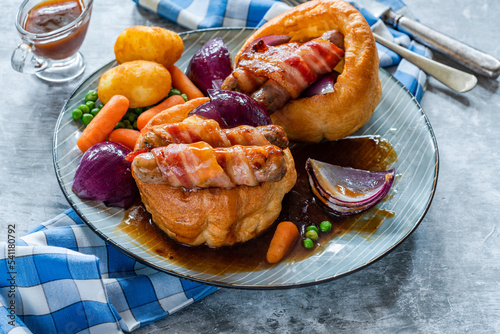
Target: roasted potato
143	82
148	43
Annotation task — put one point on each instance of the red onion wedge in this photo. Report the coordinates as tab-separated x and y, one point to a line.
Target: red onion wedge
231	109
104	175
270	40
321	86
207	110
238	109
210	65
347	191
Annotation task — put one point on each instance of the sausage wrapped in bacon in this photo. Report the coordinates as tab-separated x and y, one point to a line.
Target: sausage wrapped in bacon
207	185
273	75
197	153
195	128
333	114
199	165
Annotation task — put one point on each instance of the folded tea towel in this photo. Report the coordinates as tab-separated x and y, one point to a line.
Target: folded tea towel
63	278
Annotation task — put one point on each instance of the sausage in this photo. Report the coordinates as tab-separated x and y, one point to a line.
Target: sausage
146	169
242	81
271	96
335	37
288	78
200	166
195	128
275	135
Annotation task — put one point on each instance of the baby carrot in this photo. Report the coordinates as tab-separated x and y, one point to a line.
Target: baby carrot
103	123
176	113
144	118
183	83
127	137
283	238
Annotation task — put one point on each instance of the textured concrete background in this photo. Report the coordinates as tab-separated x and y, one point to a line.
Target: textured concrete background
445	278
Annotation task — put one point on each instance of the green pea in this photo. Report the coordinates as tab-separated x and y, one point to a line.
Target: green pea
126	123
135	125
87	118
308	243
313	235
76	114
137	111
325	226
312	228
131	117
119	125
84	108
95	111
100	107
90	104
91	96
184	96
174	91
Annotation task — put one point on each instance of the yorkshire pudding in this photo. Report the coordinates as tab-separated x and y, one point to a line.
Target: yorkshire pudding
212	216
358	89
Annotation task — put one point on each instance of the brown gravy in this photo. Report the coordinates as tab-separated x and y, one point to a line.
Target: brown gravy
370	153
51	15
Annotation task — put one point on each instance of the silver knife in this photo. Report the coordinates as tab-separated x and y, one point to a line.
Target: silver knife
475	60
455	79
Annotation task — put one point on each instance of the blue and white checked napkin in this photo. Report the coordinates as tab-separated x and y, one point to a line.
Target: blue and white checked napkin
198	14
63	278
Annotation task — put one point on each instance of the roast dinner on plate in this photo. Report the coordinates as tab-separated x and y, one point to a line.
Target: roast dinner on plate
209	151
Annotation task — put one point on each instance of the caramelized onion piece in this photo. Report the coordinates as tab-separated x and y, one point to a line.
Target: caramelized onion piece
347	191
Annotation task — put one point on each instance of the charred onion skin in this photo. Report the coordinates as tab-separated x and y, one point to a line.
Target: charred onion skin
358	89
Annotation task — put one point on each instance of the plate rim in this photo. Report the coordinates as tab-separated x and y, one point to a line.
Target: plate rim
228	284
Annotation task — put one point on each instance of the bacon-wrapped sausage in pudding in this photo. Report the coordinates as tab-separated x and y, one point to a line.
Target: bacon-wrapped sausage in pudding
207	185
273	75
321	33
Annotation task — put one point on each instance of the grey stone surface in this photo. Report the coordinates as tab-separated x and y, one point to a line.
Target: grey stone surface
445	278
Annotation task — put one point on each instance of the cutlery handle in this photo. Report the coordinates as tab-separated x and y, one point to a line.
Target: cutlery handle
475	60
451	77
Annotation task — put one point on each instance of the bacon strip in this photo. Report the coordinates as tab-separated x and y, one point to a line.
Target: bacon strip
243	81
198	165
320	55
281	64
190	166
289	69
195	128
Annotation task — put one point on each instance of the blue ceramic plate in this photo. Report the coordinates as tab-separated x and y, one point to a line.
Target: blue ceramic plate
398	119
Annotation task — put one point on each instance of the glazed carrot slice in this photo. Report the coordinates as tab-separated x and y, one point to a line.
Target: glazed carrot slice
103	123
183	83
284	237
127	137
144	118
